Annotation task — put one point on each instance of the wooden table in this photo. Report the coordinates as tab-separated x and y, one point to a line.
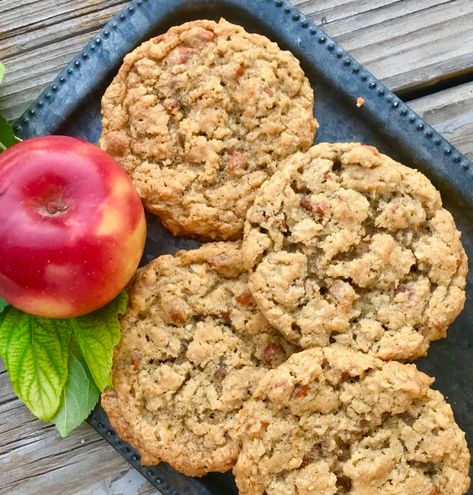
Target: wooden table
422	49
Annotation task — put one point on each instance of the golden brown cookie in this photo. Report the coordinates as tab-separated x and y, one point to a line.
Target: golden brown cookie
199	116
193	348
333	421
347	246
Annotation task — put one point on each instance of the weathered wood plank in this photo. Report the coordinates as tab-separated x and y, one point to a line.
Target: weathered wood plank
34	460
406	43
37	39
451	113
411	43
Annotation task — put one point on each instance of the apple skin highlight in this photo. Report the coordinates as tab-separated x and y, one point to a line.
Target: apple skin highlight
72	227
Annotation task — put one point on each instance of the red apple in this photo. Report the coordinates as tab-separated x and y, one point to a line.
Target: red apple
72	228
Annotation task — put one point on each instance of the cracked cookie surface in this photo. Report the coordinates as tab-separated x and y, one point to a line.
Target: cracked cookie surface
334	421
348	247
199	116
193	348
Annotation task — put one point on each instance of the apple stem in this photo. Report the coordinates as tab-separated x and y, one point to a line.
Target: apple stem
54	207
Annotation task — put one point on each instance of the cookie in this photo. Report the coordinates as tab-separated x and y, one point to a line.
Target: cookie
192	351
334	421
199	118
348	247
110	402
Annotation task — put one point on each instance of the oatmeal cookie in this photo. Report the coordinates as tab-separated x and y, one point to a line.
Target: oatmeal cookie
199	116
193	348
347	246
334	421
110	402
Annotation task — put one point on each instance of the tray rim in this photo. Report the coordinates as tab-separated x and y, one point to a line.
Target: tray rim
37	120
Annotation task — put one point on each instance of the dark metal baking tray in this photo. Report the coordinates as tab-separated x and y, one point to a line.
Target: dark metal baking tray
71	105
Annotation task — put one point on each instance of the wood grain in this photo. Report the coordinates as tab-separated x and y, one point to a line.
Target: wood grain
451	113
407	43
38	38
35	460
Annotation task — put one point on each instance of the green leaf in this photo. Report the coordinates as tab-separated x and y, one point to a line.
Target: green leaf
35	352
2	71
40	356
3	304
97	334
80	395
7	137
